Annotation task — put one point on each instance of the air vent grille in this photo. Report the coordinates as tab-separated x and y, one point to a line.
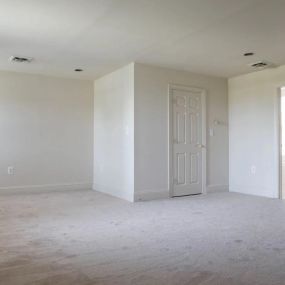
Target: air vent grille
20	59
260	64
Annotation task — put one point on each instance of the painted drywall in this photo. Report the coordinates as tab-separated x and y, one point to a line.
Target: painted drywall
114	133
46	127
151	129
253	132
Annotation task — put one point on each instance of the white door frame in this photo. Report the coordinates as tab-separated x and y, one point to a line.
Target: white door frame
172	87
278	132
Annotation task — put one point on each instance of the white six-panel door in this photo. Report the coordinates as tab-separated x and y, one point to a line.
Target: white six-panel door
188	140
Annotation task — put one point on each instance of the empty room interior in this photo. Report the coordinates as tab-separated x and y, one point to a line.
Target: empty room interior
142	142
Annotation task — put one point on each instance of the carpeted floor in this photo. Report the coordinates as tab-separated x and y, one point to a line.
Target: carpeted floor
83	237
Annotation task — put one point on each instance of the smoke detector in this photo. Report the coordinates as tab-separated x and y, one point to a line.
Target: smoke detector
261	64
20	59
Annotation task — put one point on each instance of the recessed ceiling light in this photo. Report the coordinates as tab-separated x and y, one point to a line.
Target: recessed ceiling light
248	54
78	70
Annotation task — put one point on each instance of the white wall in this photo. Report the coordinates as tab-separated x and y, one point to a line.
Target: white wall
151	129
253	114
114	133
46	127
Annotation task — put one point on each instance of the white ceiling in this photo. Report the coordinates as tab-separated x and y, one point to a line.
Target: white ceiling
203	36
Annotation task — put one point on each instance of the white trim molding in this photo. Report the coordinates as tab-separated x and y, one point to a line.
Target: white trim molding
148	195
217	188
278	134
45	188
115	192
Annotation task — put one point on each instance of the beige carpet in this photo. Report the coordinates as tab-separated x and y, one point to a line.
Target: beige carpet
83	238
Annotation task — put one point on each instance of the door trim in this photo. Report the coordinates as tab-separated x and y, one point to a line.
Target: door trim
172	87
278	132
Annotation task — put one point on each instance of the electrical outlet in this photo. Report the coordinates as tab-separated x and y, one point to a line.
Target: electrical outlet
253	169
10	170
211	131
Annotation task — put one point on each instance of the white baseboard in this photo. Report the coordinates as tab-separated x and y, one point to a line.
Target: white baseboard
151	195
164	193
113	191
217	188
254	191
45	188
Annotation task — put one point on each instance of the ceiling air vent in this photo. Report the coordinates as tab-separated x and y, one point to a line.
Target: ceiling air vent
20	59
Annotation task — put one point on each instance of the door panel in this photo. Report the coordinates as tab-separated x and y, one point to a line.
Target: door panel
181	125
187	142
194	166
181	168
